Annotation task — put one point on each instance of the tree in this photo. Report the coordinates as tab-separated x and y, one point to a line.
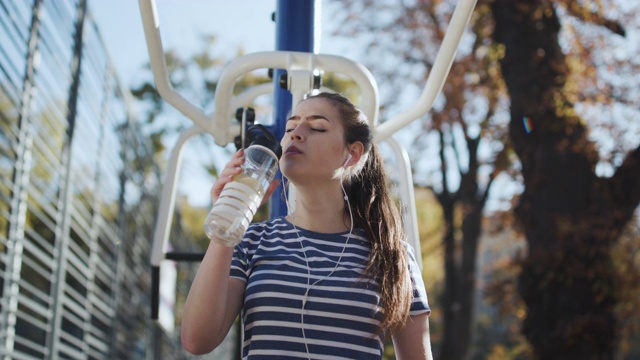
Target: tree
462	132
571	216
402	42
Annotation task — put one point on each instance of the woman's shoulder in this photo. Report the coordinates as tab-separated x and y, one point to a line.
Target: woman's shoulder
268	227
259	231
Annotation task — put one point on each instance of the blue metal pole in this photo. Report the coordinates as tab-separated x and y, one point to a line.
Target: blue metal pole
295	31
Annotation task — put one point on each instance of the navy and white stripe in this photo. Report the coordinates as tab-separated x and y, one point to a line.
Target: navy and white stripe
341	313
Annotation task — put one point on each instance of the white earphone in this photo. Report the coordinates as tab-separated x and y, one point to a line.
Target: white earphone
309	284
346	161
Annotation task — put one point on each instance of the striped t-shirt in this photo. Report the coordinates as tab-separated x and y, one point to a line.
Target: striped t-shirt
341	311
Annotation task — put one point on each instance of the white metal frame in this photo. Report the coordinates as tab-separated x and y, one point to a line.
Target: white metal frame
300	70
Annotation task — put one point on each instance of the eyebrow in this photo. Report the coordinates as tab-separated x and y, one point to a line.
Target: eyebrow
311	117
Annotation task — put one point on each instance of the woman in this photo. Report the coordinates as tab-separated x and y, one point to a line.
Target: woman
331	279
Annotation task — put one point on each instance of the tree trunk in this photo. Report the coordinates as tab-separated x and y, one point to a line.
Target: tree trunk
460	258
450	297
570	217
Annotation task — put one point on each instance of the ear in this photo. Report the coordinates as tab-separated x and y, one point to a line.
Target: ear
356	149
347	161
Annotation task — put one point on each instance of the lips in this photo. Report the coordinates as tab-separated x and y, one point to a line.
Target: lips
291	150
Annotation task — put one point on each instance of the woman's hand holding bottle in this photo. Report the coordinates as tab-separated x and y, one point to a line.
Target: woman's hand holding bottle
227	223
227	174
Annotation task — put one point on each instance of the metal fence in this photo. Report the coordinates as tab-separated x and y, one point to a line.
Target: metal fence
78	195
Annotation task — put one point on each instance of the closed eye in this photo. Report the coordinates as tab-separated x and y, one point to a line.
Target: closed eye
312	129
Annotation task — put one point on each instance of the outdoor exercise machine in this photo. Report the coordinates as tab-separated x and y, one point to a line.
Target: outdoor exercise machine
297	67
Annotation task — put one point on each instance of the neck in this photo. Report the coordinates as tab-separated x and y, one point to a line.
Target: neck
320	210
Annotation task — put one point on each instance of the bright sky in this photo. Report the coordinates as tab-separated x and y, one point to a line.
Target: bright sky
245	23
181	23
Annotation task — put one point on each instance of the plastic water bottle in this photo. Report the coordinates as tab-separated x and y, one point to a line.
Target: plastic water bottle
232	213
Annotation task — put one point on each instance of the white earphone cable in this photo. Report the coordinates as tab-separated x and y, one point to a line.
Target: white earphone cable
309	285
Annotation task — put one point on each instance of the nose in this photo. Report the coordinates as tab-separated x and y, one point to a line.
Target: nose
297	134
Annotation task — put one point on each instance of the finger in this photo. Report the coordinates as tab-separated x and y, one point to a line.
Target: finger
237	155
231	169
236	161
226	176
234	166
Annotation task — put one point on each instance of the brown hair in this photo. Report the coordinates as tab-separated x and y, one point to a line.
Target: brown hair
375	211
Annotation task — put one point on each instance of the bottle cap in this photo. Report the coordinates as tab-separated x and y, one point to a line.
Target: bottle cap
266	139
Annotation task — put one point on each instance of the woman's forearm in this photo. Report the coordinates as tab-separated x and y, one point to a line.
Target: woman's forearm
211	305
413	340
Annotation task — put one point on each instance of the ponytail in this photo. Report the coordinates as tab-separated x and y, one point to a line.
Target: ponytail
375	211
